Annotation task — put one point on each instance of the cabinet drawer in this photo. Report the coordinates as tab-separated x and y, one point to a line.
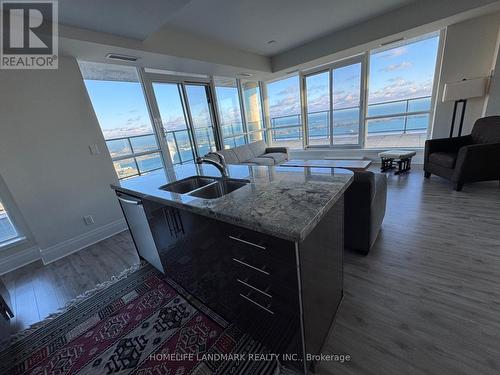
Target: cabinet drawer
266	273
273	323
256	244
276	299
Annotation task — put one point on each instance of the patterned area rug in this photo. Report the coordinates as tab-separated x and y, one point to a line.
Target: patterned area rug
144	324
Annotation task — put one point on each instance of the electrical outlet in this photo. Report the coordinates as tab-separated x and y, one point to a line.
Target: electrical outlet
89	220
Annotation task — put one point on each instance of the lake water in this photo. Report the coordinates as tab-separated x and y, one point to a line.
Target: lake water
346	121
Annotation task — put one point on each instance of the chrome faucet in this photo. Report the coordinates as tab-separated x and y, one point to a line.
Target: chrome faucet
220	165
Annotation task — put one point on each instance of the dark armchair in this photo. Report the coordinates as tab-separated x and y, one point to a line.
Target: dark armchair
474	157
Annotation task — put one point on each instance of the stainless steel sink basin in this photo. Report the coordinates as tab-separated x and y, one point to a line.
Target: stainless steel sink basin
219	188
188	184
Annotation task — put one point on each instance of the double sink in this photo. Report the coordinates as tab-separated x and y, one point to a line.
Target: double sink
205	187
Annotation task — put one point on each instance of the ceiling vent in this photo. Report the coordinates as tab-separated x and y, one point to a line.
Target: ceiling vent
391	42
116	56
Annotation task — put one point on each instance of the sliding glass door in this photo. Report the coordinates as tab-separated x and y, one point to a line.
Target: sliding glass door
174	121
200	112
185	116
333	102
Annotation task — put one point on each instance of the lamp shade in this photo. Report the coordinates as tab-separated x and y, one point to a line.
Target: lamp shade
469	88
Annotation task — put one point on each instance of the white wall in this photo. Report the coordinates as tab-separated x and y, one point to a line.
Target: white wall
46	126
493	100
469	51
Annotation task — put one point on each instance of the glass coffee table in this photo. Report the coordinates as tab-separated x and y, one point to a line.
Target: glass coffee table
353	165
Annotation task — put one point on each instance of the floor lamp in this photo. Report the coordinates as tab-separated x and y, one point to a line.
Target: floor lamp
460	92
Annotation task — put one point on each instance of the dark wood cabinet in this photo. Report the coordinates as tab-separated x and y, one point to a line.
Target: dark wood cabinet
5	315
285	294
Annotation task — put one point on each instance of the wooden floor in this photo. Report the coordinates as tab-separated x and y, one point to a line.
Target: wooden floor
426	299
37	290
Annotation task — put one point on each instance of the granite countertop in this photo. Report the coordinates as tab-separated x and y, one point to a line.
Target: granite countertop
285	202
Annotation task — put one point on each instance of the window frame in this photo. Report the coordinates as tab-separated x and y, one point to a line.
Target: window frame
364	59
356	59
148	79
15	219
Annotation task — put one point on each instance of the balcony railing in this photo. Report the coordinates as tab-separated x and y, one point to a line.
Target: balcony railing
181	147
134	155
391	117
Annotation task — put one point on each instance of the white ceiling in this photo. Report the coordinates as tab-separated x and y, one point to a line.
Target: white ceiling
244	24
250	24
128	18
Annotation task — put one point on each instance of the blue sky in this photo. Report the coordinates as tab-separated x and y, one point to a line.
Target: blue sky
120	108
398	73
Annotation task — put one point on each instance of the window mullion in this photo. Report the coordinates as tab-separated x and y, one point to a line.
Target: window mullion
242	109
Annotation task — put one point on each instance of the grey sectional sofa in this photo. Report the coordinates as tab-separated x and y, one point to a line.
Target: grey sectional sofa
256	153
364	203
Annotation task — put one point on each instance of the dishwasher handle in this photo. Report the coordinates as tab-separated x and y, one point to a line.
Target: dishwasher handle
129	201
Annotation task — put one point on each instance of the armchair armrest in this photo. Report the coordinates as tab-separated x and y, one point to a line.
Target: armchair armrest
477	161
283	150
445	145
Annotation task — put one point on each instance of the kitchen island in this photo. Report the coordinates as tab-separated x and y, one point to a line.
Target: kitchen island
267	256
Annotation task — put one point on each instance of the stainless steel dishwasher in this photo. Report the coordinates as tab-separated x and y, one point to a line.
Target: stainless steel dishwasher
139	229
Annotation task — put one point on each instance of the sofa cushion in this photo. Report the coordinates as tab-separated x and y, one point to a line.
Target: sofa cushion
229	156
258	148
243	153
278	157
444	159
262	161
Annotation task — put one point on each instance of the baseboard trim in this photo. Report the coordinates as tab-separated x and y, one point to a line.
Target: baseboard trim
19	259
82	241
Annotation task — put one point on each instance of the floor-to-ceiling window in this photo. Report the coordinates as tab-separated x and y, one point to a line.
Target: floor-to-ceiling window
317	92
118	99
400	93
333	104
200	111
239	104
229	110
285	112
399	80
347	91
169	99
184	109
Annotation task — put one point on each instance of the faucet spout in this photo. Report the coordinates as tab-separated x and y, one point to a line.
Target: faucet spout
220	165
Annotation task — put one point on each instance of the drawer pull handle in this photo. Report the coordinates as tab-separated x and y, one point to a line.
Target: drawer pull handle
250	266
257	304
247	242
254	288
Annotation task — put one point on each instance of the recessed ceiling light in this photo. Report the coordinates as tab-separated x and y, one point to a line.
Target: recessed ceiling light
116	56
271	41
245	75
